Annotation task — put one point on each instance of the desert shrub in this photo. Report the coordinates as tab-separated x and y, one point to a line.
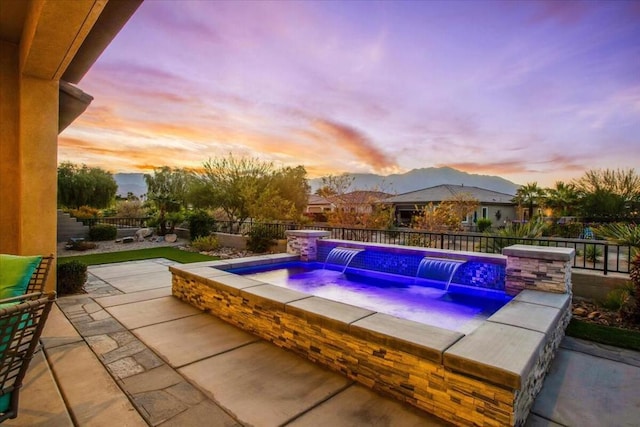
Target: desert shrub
421	240
262	237
200	224
514	234
71	277
131	209
618	298
592	253
205	243
101	232
484	224
85	212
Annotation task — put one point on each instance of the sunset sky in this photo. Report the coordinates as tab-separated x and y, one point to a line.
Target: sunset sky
531	91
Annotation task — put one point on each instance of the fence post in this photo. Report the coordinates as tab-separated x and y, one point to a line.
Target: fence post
606	258
441	240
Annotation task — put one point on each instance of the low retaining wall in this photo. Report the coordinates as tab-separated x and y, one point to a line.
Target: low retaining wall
488	377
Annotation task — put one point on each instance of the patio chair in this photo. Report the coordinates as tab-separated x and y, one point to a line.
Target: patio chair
22	320
39	276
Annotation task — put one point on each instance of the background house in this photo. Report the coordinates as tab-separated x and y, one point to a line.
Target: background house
498	207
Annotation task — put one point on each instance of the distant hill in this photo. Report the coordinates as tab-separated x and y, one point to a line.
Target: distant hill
130	182
417	179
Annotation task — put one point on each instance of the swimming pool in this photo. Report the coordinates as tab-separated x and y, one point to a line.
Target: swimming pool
422	300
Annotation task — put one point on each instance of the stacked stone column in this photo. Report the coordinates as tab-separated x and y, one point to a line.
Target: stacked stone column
304	243
538	268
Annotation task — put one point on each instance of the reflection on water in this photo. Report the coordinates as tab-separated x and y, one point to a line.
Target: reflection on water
401	298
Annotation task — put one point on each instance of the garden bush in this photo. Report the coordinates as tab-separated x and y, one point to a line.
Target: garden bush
592	253
205	243
101	232
200	224
262	237
484	224
71	277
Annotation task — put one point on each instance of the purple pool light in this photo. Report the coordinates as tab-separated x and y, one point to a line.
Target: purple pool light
411	298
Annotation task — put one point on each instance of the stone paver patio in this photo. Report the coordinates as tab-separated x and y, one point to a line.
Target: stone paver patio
127	353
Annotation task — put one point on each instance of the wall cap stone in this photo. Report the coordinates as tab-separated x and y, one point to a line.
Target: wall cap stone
307	233
500	354
539	252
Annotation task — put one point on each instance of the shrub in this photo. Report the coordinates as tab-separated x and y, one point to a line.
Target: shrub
262	237
71	277
85	212
101	232
514	234
592	253
618	298
200	224
131	209
205	243
484	224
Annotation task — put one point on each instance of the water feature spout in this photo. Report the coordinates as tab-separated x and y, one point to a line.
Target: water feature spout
341	256
439	269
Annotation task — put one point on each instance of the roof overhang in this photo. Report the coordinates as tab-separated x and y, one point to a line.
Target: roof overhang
62	40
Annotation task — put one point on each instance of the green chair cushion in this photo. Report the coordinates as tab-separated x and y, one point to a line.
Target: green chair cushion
15	274
5	401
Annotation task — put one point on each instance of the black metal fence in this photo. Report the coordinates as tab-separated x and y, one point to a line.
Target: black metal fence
597	255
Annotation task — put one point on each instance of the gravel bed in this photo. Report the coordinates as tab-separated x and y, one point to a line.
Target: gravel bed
112	246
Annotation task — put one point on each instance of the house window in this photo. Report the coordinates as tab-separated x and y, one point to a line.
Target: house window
485	212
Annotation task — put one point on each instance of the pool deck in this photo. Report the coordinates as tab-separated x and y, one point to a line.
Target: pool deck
128	353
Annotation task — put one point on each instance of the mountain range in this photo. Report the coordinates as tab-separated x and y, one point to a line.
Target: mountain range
415	179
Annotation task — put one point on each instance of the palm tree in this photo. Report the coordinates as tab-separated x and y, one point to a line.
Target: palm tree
562	199
529	195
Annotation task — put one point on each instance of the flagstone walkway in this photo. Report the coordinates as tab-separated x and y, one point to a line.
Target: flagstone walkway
129	354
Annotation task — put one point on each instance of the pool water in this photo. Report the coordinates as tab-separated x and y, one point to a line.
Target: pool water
423	301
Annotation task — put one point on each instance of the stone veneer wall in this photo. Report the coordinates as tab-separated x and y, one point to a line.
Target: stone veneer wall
384	363
423	383
304	243
538	268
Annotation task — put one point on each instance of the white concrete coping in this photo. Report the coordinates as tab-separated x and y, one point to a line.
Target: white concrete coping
539	252
307	233
501	354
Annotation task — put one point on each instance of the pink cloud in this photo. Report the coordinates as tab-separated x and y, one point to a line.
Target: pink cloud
353	141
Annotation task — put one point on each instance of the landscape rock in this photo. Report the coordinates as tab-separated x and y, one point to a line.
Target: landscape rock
579	311
128	239
143	233
171	238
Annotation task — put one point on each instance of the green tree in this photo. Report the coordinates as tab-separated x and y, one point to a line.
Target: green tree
249	188
335	185
529	195
609	193
85	186
167	191
290	194
563	198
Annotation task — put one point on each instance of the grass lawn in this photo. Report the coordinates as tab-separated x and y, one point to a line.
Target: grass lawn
173	254
617	337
